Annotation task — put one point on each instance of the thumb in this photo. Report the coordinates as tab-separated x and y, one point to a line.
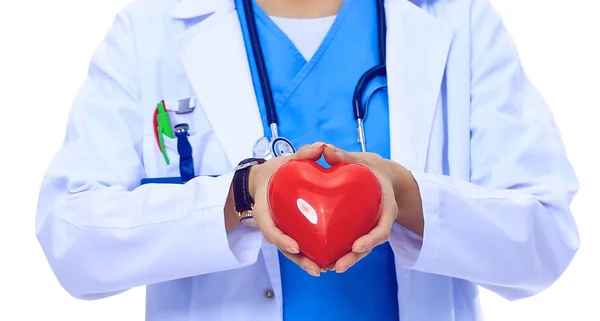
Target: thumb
312	152
335	156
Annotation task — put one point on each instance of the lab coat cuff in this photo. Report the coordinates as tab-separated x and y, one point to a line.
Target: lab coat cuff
236	248
413	251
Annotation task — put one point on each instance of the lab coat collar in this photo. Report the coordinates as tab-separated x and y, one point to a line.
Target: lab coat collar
187	9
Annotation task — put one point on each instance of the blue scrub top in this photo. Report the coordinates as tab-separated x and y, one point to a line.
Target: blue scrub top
313	102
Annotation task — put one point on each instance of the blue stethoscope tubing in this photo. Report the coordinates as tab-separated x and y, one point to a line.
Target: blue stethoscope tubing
280	146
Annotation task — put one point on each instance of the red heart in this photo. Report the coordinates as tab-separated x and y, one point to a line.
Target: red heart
324	209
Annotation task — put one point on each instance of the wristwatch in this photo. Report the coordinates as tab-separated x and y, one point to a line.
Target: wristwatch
241	194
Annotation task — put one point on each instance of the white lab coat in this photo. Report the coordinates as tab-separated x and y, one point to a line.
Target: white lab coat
495	181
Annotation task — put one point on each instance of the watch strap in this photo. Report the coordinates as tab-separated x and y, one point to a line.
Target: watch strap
241	194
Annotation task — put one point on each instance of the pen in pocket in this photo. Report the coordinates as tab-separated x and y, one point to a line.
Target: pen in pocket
162	126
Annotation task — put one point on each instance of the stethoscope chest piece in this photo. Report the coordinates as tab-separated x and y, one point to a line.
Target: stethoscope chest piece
266	149
262	148
282	147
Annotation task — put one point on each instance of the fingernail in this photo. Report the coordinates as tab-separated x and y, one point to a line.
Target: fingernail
292	250
316	145
359	249
342	270
313	273
332	148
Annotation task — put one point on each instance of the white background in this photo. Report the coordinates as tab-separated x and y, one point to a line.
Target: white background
45	47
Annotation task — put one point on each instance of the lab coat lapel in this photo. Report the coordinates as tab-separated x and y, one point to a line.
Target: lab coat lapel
417	49
214	57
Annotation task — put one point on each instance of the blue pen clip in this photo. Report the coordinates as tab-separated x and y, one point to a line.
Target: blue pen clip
184	149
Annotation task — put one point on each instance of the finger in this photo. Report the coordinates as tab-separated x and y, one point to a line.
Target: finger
312	152
381	232
334	155
330	267
348	260
305	263
271	232
275	236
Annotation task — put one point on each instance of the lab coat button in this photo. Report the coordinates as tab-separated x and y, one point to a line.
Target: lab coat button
269	294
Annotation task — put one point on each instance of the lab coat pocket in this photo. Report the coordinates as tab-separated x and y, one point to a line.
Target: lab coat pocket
209	158
208	155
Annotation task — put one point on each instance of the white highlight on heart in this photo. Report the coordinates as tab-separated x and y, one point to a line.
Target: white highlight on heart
307	210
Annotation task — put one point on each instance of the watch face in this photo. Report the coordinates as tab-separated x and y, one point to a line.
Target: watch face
249	221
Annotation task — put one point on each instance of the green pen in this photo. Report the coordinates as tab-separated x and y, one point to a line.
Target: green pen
163	119
164	128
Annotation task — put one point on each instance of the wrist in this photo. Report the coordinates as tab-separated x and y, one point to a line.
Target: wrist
244	189
408	199
397	174
231	216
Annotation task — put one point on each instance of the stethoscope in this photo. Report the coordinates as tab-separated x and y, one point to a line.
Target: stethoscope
275	146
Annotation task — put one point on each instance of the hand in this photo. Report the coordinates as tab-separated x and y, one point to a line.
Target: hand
398	187
257	185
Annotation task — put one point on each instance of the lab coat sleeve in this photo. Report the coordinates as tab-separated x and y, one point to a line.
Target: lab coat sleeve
510	228
101	232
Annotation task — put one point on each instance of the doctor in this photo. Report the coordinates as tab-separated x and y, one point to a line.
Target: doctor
155	160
